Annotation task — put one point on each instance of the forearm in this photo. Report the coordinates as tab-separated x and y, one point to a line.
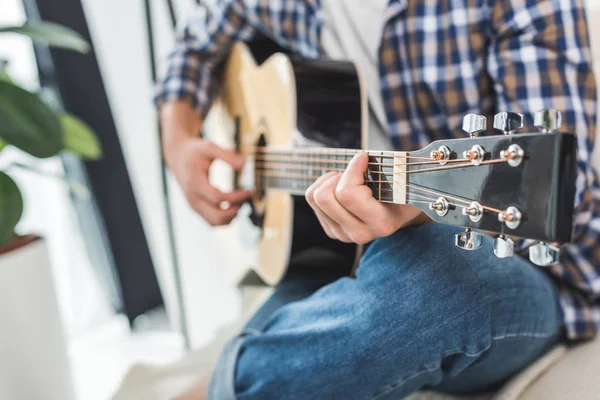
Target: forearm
179	121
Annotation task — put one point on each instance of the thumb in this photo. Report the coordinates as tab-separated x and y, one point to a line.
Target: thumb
232	158
355	172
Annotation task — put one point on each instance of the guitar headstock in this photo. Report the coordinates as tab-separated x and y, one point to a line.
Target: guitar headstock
512	184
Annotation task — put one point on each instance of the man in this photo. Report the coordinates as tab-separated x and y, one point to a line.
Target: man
420	313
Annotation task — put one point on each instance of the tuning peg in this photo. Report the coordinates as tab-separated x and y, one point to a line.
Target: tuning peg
548	120
468	240
474	211
544	254
504	247
441	206
511	217
473	124
508	122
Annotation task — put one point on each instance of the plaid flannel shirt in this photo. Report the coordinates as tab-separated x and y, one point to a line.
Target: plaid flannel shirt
438	62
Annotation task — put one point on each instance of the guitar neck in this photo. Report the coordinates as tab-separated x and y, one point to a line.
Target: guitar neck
295	170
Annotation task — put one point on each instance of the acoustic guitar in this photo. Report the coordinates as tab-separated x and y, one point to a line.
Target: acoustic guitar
295	120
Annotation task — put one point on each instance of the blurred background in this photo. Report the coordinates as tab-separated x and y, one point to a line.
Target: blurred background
117	269
118	283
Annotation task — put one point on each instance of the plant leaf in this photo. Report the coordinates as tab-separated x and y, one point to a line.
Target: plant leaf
4	76
11	207
28	123
79	138
54	34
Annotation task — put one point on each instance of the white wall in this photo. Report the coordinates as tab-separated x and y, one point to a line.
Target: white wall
119	36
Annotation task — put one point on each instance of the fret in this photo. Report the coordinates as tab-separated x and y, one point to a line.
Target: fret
388	177
332	161
345	159
320	163
296	170
380	174
308	177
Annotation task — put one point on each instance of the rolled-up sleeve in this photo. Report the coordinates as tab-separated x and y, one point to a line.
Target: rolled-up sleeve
202	41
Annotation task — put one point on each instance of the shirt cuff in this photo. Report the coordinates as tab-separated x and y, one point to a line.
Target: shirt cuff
186	80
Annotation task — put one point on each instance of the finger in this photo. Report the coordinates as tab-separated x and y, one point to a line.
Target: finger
328	203
355	196
310	192
354	175
215	197
212	152
310	199
331	228
215	216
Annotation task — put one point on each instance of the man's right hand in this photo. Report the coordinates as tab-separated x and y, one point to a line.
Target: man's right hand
189	158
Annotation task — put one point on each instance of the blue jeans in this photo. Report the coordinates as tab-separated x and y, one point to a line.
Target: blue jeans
420	313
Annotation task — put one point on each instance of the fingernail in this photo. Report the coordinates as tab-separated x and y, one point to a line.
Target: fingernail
357	155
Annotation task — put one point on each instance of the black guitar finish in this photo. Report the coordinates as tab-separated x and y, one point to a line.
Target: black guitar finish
329	103
543	193
328	112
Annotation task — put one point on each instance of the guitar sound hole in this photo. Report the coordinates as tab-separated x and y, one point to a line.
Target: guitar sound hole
257	215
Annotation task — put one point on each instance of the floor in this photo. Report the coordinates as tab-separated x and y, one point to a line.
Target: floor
100	359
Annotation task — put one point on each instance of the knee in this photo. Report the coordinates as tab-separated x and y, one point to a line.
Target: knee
423	278
421	266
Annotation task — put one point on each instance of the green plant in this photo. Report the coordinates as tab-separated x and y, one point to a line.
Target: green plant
31	125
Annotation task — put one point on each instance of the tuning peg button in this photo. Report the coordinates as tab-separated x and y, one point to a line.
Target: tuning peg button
548	120
508	122
504	247
544	254
473	124
468	240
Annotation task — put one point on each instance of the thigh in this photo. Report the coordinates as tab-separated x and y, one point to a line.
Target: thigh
304	277
420	312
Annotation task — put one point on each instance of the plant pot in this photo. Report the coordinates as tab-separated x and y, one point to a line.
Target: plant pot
33	352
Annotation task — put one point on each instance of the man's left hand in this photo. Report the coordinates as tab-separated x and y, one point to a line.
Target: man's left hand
347	210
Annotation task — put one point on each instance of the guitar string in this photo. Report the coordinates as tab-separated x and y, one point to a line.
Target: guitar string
341	152
429	190
424	189
429	199
327	161
495	161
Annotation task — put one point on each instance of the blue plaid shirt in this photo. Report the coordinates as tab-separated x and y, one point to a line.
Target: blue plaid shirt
438	62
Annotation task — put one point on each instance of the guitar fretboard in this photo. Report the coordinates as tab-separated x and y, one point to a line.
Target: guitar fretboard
295	170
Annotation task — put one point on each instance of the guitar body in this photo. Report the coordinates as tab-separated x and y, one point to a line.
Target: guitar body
282	104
